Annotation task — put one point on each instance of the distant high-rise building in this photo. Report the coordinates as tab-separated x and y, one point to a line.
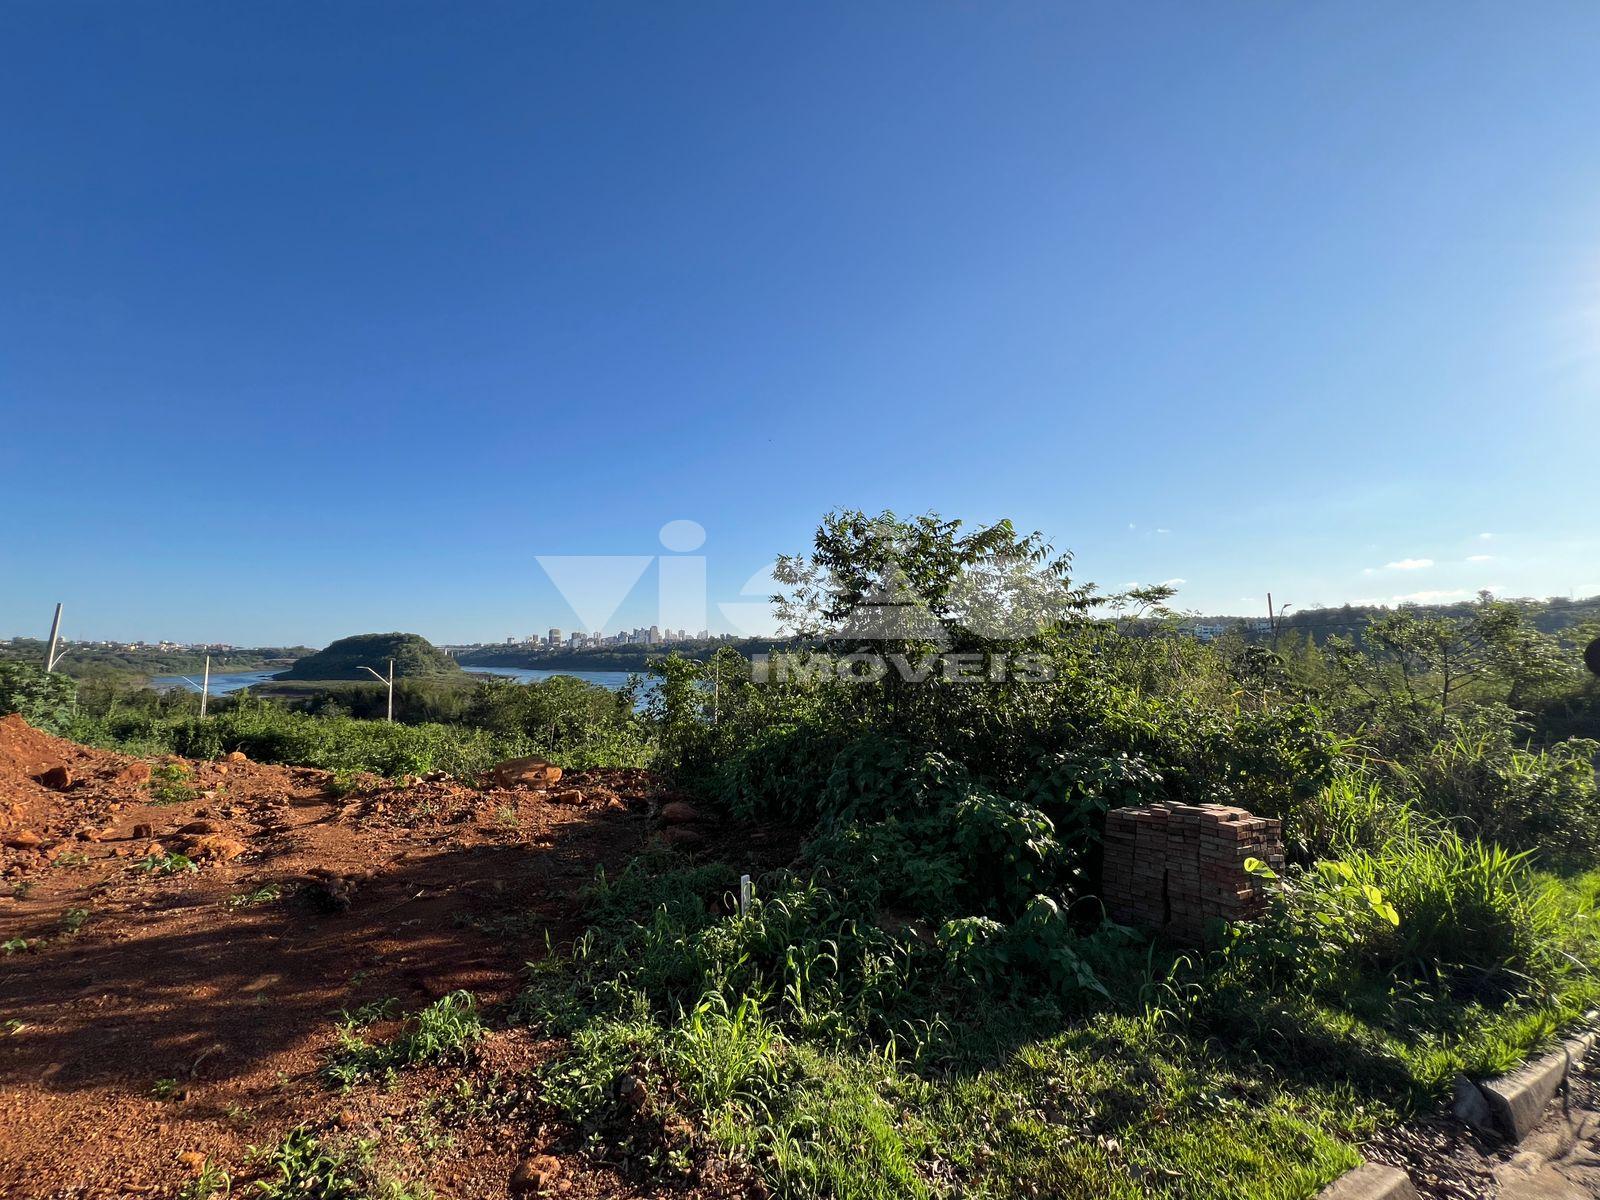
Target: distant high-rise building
555	636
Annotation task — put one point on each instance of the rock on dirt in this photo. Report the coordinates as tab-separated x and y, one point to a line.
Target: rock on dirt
57	778
536	1174
133	775
525	772
23	839
630	1091
680	812
237	756
215	846
332	891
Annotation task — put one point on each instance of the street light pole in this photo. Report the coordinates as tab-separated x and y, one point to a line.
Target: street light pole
204	685
389	681
52	654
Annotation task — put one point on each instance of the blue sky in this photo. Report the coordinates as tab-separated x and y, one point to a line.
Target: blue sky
321	318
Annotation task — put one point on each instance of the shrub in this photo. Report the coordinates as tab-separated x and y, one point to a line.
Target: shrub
46	700
779	774
1424	904
1478	777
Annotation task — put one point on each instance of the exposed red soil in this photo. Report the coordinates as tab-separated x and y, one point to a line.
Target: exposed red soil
174	1022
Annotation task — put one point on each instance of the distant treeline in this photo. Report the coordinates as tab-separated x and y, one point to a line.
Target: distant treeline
1555	615
85	661
609	658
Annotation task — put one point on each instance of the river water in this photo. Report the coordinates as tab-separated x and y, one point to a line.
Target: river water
222	682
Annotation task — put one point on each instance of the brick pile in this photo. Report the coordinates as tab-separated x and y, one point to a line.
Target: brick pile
1179	867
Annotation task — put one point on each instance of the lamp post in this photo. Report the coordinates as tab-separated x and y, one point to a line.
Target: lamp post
389	681
204	686
53	654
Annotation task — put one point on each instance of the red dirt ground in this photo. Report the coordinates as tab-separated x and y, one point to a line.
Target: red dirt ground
235	1006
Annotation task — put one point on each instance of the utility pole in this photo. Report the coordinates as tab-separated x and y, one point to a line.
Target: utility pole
389	681
204	685
52	654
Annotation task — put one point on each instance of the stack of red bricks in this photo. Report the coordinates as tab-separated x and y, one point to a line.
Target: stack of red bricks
1179	867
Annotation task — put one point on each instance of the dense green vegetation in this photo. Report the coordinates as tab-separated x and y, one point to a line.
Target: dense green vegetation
928	999
349	658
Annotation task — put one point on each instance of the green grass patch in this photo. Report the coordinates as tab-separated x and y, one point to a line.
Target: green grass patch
443	1032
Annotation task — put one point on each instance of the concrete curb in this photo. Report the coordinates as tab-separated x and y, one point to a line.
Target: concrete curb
1370	1181
1517	1101
1513	1105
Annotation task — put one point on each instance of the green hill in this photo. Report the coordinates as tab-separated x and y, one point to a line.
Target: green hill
414	657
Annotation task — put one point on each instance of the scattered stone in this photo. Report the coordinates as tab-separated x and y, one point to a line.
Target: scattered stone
194	1160
331	892
680	813
57	779
681	838
535	1174
24	839
216	846
154	850
196	828
569	796
142	832
133	774
525	772
631	1091
1470	1107
237	756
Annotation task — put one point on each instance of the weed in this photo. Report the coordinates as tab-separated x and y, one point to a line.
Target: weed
170	784
212	1182
507	816
267	893
14	945
302	1167
343	783
74	920
164	1089
171	863
370	1013
441	1032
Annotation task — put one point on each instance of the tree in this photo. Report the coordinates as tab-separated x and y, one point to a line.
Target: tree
886	595
1421	667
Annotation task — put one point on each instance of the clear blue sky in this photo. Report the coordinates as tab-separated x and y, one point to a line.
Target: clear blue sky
322	318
